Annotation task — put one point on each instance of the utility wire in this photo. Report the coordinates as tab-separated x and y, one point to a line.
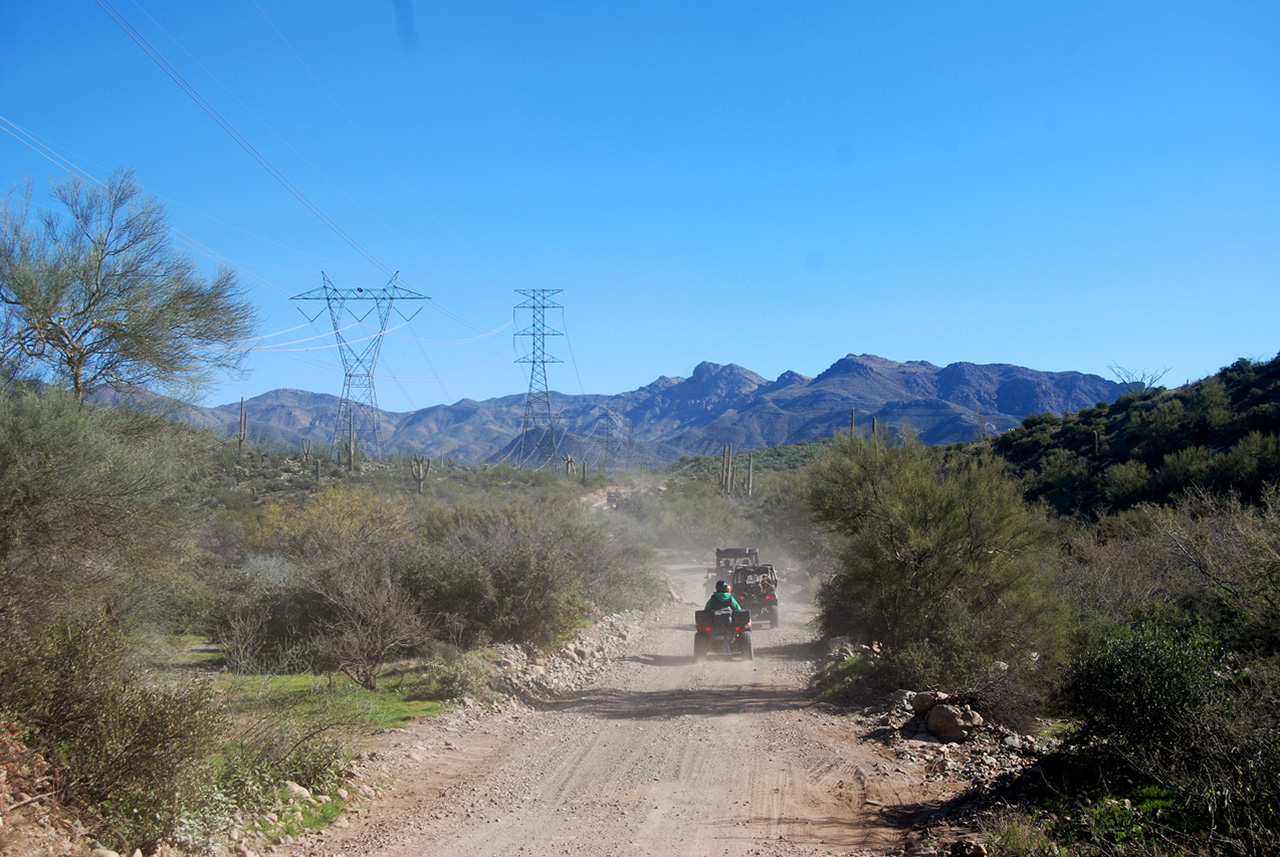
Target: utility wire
408	188
194	94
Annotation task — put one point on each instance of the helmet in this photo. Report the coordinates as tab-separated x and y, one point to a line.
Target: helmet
721	586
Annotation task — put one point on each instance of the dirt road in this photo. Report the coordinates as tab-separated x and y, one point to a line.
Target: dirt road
659	755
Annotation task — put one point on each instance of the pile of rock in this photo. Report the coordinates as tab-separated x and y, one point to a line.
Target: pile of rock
842	648
949	741
530	673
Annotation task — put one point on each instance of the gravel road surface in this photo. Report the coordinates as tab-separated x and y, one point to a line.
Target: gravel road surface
656	755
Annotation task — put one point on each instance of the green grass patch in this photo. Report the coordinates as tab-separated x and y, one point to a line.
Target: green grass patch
327	701
294	818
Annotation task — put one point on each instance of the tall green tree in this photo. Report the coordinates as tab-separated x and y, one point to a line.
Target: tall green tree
103	298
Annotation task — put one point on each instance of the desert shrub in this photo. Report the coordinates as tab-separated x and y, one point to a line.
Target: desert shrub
98	488
127	744
1160	703
449	674
322	530
1233	551
370	617
527	573
1137	690
272	749
944	563
265	616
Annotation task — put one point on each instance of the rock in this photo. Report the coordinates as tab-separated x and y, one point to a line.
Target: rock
1013	742
296	790
952	724
902	699
102	851
927	700
342	794
244	851
582	652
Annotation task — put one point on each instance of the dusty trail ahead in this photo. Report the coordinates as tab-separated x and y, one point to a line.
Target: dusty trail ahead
659	756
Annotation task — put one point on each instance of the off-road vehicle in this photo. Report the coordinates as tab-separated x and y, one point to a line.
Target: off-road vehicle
754	585
723	632
756	588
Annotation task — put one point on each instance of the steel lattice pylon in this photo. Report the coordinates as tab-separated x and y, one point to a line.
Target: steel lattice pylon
358	410
538	433
618	440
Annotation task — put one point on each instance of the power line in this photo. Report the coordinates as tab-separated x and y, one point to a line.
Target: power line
154	54
408	188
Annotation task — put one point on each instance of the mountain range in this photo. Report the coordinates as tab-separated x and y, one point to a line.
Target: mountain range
675	417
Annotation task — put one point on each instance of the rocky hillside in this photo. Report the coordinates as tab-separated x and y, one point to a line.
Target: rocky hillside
674	417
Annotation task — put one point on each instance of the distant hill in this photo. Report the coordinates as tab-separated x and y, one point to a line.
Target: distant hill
675	417
1220	434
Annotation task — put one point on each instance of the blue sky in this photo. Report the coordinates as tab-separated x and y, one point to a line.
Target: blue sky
1061	186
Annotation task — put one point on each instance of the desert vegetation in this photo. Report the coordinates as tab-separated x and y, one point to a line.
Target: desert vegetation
1111	572
188	623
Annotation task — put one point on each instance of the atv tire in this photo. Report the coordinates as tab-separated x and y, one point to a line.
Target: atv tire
775	618
701	642
748	648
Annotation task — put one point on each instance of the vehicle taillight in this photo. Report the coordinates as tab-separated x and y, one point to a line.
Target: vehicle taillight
767	597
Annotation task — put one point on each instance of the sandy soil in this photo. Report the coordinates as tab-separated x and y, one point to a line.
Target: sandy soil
658	755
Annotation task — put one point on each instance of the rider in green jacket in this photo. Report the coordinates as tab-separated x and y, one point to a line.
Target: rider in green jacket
722	597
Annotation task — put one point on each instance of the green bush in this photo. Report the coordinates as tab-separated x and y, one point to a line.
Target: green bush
451	674
129	744
527	573
1137	691
275	748
840	676
944	563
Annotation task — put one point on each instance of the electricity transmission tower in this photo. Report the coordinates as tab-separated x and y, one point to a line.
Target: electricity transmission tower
538	434
358	410
617	443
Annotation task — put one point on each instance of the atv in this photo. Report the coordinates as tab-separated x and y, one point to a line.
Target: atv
756	588
723	632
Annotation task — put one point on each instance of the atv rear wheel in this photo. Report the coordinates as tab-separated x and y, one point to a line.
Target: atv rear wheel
748	648
701	642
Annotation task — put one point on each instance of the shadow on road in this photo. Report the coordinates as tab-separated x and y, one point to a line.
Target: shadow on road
807	650
669	704
660	660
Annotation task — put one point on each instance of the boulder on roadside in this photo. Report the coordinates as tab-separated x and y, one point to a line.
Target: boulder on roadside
296	790
902	699
952	724
926	700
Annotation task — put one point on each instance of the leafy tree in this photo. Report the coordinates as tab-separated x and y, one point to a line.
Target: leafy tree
106	299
